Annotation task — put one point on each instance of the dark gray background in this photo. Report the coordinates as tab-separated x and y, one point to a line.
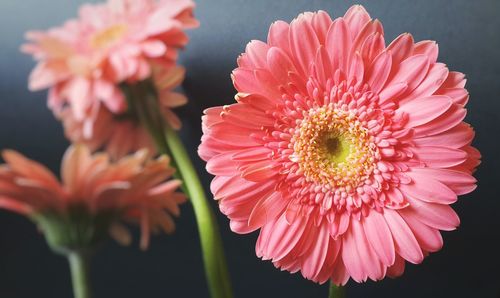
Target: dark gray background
468	266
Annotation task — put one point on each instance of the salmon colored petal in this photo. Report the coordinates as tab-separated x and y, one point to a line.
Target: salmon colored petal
429	238
401	48
356	17
440	157
379	71
338	43
279	35
405	242
378	234
303	43
424	110
428	189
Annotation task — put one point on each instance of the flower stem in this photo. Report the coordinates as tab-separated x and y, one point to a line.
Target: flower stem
168	142
336	291
79	266
211	243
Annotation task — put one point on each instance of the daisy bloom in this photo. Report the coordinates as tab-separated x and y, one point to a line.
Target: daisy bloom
95	196
83	61
344	152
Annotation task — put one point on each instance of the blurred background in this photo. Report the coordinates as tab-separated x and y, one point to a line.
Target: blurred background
468	33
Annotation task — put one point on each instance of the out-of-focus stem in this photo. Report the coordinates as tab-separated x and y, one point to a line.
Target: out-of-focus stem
79	266
336	291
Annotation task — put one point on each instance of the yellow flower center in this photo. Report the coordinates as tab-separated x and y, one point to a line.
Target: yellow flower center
333	148
108	36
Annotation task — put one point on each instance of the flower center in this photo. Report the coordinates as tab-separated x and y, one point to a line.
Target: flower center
108	37
333	148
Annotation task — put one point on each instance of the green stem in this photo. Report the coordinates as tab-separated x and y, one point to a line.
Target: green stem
335	291
168	142
79	266
213	253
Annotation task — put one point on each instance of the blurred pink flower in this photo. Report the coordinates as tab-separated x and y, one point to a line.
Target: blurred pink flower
344	152
132	189
83	61
123	133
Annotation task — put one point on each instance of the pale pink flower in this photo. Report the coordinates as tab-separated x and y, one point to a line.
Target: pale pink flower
344	152
83	61
121	134
132	189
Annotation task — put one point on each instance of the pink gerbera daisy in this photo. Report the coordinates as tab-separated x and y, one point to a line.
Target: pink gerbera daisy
95	196
83	61
344	152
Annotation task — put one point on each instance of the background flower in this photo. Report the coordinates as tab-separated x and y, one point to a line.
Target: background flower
343	151
95	195
83	61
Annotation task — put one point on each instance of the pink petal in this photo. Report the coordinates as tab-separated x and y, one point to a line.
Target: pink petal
401	48
222	164
267	209
356	69
397	269
424	110
391	93
428	189
356	18
303	42
457	137
434	79
315	259
460	182
233	136
280	64
429	238
259	171
278	35
438	216
455	79
440	157
282	238
458	95
321	23
405	242
154	48
378	234
351	257
427	47
244	81
79	96
323	65
338	44
379	71
372	265
445	122
256	53
372	47
410	71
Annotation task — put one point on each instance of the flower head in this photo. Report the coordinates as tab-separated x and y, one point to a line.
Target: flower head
94	197
83	61
344	152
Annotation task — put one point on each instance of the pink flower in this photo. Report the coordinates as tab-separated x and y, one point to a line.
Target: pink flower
122	134
83	61
344	152
132	189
